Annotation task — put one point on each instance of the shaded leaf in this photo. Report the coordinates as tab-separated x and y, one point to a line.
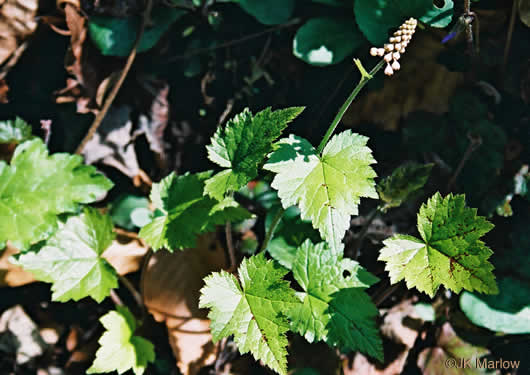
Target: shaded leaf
403	183
509	312
115	36
270	12
185	212
324	41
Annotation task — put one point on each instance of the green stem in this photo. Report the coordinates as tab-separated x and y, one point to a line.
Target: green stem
272	228
365	77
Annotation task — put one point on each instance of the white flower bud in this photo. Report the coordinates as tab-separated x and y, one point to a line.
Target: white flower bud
373	51
388	70
380	51
389	47
396	56
398	33
388	57
397	46
396	66
402	51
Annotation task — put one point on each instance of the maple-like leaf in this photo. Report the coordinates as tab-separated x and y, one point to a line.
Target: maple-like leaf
328	187
335	308
242	145
37	187
186	212
449	253
120	350
253	309
71	258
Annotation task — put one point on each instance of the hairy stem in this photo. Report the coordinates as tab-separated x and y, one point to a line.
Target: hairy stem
364	80
272	228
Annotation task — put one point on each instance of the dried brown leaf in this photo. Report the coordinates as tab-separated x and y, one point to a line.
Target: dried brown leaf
171	292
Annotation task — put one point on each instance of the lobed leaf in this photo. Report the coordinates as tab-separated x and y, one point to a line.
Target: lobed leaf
37	187
328	187
72	258
184	212
449	253
242	145
252	309
120	350
334	307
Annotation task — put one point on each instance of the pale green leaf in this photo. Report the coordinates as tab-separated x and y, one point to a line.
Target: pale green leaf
186	212
327	188
14	131
37	187
252	309
334	306
449	253
71	258
119	349
242	145
509	312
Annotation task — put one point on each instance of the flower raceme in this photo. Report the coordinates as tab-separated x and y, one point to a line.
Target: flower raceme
392	51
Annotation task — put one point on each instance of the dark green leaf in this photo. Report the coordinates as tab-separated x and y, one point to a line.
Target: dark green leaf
324	41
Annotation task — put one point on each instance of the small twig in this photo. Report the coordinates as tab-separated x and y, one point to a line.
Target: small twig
515	7
230	245
230	43
364	231
114	92
115	298
380	298
272	228
136	295
475	142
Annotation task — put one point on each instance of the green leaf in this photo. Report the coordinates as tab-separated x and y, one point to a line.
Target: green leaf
71	259
122	208
253	309
36	188
116	36
328	187
324	41
439	17
186	212
14	131
509	312
403	183
120	350
334	308
271	12
376	17
242	146
449	253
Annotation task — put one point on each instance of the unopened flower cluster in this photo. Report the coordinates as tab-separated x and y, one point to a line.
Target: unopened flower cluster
396	47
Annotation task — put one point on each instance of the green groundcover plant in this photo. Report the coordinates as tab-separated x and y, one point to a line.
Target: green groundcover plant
305	286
